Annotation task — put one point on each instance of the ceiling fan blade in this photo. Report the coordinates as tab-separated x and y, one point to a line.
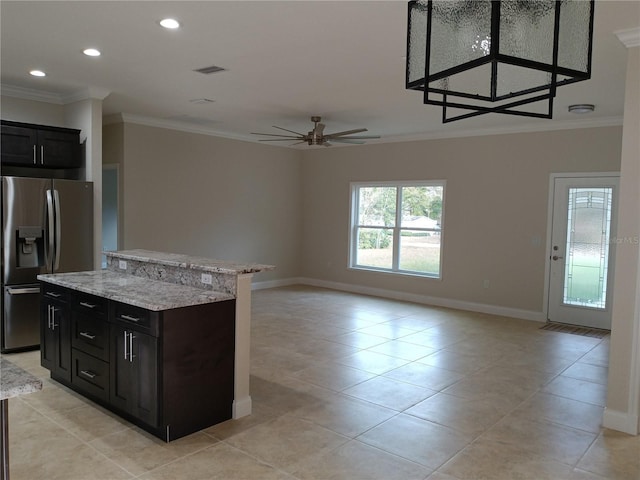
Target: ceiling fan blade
290	131
347	140
274	135
357	137
346	132
291	139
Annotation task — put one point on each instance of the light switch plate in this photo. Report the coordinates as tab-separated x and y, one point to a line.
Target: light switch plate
122	264
206	278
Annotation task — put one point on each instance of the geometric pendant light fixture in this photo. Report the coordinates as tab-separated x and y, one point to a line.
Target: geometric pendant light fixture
473	57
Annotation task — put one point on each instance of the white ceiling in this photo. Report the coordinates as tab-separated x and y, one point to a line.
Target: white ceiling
285	61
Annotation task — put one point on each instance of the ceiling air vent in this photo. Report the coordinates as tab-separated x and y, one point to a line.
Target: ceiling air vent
210	70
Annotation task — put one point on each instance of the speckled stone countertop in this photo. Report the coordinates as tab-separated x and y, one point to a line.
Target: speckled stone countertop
187	261
133	290
14	381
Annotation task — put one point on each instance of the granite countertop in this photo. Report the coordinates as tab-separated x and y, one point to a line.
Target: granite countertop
188	261
142	292
14	381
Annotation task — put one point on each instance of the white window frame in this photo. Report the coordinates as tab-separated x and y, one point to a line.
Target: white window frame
354	226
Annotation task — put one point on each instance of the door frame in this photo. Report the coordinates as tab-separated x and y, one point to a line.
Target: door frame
547	263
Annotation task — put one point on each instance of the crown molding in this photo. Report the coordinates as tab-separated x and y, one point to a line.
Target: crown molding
96	93
31	94
629	37
174	125
52	97
548	125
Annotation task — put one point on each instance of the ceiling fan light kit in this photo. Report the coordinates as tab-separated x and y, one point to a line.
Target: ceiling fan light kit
509	56
317	135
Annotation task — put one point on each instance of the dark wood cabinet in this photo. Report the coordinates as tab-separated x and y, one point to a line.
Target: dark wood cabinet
39	146
170	372
134	373
55	344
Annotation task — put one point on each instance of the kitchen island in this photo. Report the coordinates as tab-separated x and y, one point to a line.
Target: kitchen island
162	339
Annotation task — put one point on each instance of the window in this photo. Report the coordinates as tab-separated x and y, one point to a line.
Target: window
397	227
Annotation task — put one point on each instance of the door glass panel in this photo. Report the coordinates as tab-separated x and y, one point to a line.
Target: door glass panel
587	249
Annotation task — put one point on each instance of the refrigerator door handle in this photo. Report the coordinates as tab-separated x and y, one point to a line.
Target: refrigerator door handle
50	229
22	291
56	262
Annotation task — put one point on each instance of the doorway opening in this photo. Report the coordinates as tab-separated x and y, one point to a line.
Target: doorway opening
110	175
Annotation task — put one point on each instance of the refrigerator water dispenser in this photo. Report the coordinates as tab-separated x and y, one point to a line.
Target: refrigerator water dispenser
30	247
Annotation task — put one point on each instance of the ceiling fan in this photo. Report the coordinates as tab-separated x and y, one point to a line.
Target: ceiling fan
317	135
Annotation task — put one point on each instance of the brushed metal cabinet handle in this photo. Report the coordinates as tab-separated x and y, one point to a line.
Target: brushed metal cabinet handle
87	335
88	305
87	373
130	318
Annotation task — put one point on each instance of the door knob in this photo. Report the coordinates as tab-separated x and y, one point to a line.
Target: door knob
556	257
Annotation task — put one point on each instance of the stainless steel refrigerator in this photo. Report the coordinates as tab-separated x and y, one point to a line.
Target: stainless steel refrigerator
47	227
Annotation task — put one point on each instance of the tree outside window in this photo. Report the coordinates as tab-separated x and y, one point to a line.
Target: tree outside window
397	227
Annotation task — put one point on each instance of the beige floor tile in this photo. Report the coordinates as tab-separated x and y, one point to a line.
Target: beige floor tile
581	390
356	461
404	350
548	440
259	414
459	361
372	362
599	355
55	398
563	411
333	376
469	416
588	372
284	393
287	441
490	460
417	440
613	455
219	462
360	340
433	339
139	452
390	330
41	448
89	422
389	393
345	415
427	376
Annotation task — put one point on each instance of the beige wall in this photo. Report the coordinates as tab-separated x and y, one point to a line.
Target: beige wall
496	204
29	111
215	197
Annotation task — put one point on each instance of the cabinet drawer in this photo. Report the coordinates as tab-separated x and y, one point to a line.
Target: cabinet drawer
54	292
90	374
90	334
136	318
91	304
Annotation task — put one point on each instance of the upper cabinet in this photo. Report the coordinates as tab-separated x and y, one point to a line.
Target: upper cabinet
40	146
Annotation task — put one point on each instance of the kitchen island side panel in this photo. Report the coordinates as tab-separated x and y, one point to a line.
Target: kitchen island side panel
198	346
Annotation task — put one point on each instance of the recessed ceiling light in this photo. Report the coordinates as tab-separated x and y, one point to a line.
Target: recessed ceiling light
582	108
38	73
91	52
170	23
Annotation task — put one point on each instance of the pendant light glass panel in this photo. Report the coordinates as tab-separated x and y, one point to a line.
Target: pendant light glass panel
416	41
574	39
526	30
458	28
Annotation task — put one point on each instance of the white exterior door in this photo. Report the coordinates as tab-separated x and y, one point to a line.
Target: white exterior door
582	250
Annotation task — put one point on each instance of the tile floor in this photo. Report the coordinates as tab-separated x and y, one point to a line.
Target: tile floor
354	387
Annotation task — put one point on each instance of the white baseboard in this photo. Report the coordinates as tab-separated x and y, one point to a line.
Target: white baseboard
241	407
621	421
408	297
